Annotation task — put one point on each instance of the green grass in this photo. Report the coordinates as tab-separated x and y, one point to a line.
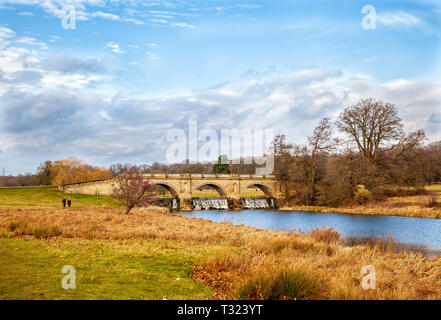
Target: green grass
49	197
105	269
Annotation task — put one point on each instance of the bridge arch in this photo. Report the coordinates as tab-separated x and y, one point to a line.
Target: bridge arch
265	189
169	188
216	187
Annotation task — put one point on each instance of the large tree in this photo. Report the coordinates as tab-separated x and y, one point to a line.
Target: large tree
375	126
73	170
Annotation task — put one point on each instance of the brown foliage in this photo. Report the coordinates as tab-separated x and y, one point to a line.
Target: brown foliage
73	170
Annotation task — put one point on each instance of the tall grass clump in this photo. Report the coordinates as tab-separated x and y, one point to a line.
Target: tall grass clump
325	234
39	231
45	232
14	225
284	285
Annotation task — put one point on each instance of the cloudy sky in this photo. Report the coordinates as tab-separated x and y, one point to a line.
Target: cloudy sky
108	88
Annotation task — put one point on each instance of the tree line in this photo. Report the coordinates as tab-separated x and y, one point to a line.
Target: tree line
58	172
365	154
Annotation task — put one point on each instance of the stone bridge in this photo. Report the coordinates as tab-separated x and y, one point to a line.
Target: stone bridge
182	186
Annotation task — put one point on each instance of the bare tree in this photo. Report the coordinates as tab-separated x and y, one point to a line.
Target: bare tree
321	144
321	141
283	160
133	188
372	125
408	143
309	161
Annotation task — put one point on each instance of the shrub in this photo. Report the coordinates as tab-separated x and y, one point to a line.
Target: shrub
433	202
284	285
362	196
325	234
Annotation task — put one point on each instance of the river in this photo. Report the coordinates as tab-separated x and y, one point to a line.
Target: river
419	234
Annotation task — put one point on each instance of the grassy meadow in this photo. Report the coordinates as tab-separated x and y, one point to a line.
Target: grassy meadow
152	254
141	269
49	197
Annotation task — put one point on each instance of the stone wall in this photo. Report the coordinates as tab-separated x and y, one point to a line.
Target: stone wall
95	187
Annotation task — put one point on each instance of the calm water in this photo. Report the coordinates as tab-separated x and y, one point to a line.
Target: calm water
420	233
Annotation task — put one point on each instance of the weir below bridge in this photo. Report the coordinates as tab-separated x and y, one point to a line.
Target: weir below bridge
182	186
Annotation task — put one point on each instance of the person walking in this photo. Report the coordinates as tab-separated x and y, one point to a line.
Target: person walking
69	203
64	202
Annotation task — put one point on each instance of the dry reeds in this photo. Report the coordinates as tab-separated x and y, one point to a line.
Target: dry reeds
38	231
325	234
285	284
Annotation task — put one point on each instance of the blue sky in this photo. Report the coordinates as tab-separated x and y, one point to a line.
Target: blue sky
109	90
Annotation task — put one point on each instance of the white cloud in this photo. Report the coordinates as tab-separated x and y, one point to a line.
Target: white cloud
182	25
54	39
32	42
24	69
69	81
163	21
249	6
152	56
13	60
25	13
419	101
108	16
398	19
134	21
90	9
115	47
59	8
5	34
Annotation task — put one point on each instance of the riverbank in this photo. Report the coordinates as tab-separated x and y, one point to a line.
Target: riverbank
115	253
416	207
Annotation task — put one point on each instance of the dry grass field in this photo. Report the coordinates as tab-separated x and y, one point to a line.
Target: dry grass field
218	260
